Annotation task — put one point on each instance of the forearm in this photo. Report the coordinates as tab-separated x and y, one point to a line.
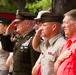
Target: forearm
36	41
36	69
9	60
57	64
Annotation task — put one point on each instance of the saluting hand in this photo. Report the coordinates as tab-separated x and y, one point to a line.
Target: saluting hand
38	33
10	28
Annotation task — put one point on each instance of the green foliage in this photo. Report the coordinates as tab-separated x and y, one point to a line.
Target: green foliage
41	5
8	6
8	9
32	5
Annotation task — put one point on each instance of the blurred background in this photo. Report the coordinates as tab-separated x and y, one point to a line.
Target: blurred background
34	6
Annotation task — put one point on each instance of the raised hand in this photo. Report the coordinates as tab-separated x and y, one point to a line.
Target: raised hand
10	28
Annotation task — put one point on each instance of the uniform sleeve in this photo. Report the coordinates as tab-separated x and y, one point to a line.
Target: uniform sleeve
40	48
7	44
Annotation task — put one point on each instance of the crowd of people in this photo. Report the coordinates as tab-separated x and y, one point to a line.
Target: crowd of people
35	45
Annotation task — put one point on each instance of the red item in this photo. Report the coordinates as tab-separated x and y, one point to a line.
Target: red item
8	15
39	71
68	66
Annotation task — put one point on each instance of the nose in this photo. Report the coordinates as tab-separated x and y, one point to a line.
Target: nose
41	28
63	25
15	26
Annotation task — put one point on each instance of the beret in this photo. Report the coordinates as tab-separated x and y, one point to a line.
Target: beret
7	18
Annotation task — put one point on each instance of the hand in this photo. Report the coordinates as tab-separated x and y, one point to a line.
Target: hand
64	55
38	33
61	58
10	28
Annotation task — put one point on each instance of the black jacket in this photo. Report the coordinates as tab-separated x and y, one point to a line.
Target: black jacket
24	55
6	42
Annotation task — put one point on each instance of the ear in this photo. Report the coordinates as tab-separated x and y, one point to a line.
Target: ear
27	23
54	27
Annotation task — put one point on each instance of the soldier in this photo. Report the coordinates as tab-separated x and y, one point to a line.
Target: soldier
50	47
24	55
5	41
5	20
36	70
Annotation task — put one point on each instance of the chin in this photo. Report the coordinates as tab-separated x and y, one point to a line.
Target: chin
67	36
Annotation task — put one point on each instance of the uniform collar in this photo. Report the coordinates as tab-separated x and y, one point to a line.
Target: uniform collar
29	32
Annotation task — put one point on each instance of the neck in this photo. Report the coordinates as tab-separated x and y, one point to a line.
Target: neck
51	36
25	33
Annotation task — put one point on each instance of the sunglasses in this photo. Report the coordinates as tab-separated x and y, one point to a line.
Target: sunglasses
37	21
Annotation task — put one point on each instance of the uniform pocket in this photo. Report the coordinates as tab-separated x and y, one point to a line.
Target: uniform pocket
51	56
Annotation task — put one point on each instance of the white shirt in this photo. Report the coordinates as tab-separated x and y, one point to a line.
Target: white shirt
3	57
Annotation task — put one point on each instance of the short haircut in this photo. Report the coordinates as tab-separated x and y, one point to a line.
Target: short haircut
71	13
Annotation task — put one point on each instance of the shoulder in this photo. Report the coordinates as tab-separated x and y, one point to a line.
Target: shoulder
60	42
62	39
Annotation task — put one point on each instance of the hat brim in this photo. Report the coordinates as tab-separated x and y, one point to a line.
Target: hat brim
17	20
36	18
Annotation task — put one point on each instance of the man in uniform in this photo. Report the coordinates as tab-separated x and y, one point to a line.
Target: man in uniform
24	55
5	42
51	45
5	20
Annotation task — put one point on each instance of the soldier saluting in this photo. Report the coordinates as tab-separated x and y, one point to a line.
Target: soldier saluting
24	55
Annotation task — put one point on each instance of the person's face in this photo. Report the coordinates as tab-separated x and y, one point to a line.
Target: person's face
69	26
47	29
2	28
21	27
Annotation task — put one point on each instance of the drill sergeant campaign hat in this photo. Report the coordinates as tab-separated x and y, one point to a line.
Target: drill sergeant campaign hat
51	17
22	15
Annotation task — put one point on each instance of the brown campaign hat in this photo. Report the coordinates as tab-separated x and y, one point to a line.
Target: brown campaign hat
7	18
51	17
22	15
